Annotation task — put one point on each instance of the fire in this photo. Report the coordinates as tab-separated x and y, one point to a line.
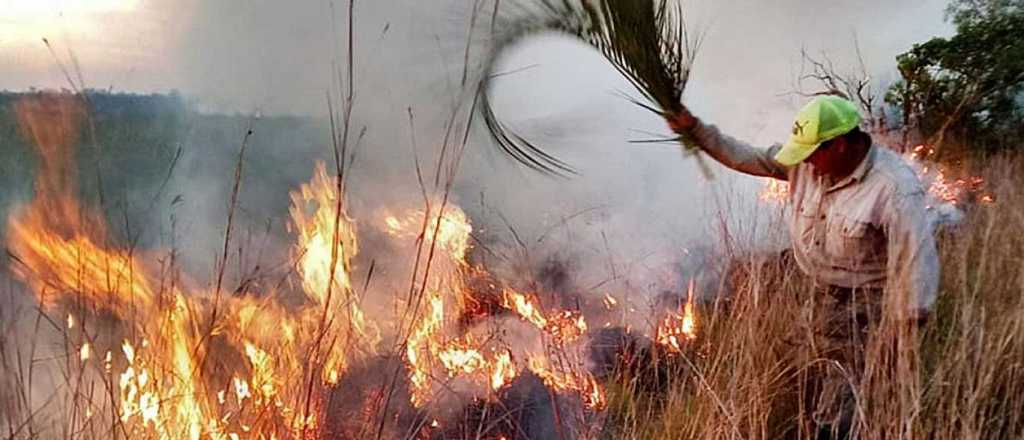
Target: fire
204	364
451	230
263	378
564	327
461	360
525	308
62	253
418	348
326	244
583	383
941	187
327	239
503	371
774	191
675	329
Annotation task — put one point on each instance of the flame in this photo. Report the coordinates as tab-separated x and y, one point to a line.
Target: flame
63	253
675	329
503	371
583	383
451	230
327	239
524	307
461	360
940	186
170	376
263	378
326	244
564	327
420	343
774	191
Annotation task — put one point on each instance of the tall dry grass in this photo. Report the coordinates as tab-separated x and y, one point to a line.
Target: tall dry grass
960	376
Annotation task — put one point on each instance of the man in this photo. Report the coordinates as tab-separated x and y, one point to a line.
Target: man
859	230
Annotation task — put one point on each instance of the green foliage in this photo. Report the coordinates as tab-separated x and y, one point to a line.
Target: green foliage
968	88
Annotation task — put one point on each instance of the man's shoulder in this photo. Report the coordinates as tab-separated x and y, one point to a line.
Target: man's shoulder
893	172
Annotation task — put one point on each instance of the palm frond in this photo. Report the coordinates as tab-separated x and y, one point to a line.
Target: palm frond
645	40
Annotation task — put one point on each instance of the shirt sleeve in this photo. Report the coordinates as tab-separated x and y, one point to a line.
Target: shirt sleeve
913	260
739	155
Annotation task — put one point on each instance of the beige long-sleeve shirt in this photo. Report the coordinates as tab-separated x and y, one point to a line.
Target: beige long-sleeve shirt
870	230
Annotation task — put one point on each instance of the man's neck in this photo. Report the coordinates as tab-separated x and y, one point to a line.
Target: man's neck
855	156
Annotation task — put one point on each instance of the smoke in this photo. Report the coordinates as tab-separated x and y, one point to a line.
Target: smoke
632	215
636	219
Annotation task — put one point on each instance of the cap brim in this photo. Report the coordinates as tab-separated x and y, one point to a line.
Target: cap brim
793	152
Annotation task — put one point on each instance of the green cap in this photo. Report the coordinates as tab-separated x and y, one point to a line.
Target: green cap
821	120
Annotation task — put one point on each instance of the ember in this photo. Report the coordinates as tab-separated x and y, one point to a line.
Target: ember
940	186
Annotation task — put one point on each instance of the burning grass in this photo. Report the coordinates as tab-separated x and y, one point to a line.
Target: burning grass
181	361
141	352
958	377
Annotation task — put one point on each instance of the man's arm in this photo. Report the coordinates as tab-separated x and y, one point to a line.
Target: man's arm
728	151
913	266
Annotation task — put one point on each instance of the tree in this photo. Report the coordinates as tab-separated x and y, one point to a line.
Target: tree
967	89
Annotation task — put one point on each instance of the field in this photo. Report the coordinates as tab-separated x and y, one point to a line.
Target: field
959	376
743	372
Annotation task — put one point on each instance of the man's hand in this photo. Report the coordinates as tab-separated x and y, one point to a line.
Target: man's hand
682	122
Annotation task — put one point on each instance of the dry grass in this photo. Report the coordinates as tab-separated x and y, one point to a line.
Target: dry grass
746	377
960	377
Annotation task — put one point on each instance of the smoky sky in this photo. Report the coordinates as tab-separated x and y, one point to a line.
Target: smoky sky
634	220
644	203
277	56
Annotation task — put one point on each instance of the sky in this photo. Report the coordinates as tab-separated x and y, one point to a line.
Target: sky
275	55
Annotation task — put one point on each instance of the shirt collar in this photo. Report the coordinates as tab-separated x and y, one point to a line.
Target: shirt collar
858	173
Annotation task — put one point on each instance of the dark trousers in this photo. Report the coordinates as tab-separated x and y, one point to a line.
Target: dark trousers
841	322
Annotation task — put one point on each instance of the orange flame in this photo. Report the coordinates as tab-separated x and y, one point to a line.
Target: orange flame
934	176
774	191
524	307
503	371
420	343
62	253
326	244
564	327
461	360
451	231
584	383
166	386
677	328
940	186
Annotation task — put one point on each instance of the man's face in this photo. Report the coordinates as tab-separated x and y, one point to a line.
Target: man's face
829	158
